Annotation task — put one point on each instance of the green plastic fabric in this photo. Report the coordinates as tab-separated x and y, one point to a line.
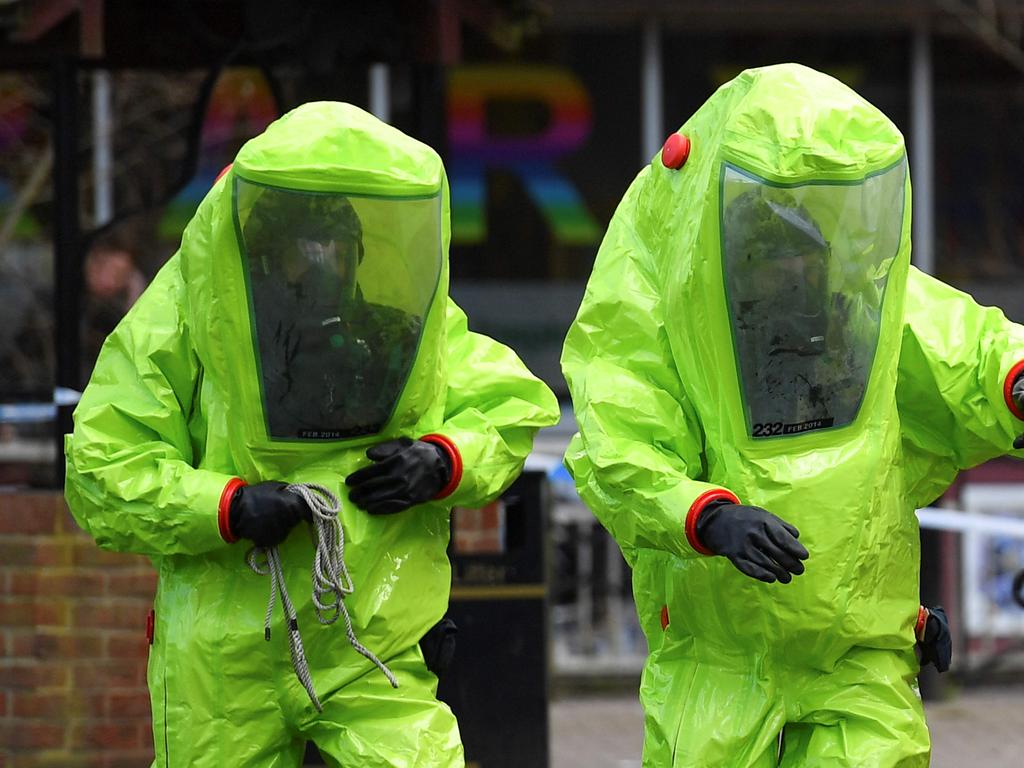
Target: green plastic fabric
173	411
828	659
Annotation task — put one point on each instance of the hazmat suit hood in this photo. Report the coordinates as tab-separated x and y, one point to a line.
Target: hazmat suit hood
317	273
794	260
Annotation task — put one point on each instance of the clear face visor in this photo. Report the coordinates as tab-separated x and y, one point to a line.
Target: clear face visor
339	287
805	270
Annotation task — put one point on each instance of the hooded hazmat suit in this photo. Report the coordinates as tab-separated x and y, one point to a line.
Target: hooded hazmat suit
235	363
840	408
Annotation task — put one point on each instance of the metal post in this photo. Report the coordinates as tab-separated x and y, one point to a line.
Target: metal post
613	599
380	91
585	587
922	148
66	243
653	127
102	163
429	123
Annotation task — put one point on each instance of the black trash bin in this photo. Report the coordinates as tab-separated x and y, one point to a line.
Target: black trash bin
497	685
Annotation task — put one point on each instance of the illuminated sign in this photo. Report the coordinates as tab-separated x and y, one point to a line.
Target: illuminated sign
532	158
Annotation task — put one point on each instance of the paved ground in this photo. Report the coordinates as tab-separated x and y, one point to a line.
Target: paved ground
981	728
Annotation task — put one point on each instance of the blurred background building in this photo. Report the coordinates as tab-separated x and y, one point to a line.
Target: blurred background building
116	116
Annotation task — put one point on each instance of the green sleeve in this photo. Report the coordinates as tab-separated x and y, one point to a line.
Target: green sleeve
130	477
955	362
493	408
639	453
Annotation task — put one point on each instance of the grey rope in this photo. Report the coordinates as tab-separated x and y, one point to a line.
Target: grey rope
330	578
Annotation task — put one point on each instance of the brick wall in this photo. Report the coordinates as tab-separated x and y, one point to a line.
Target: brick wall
72	643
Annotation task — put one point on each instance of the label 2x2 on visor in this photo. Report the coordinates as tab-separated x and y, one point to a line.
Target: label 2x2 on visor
339	288
805	268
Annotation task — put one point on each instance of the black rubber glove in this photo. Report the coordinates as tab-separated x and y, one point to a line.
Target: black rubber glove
266	512
405	473
757	542
937	644
1017	393
438	646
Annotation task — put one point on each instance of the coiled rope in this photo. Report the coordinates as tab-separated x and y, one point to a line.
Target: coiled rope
331	582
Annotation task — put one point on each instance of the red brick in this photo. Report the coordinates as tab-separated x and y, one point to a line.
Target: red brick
109	674
128	759
66	523
42	705
85	553
106	735
22	582
124	705
146	735
22	518
56	552
30	734
26	612
76	704
33	676
123	646
35	551
44	645
18	645
59	582
129	614
18	551
133	583
53	759
88	704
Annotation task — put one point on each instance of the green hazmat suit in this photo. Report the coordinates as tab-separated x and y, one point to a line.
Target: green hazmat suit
753	331
243	361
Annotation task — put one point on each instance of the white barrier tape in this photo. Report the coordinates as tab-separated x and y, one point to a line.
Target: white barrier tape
27	413
952	520
66	396
35	413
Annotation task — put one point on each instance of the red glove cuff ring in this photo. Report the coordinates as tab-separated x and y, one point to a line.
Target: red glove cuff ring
224	509
453	456
698	506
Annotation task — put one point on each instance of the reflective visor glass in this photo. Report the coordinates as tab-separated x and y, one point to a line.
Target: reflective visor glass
339	287
805	272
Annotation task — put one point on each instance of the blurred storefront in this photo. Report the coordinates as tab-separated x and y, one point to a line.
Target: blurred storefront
543	113
116	116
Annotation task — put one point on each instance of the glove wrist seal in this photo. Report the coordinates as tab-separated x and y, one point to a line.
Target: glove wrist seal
454	457
224	509
1011	379
698	506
